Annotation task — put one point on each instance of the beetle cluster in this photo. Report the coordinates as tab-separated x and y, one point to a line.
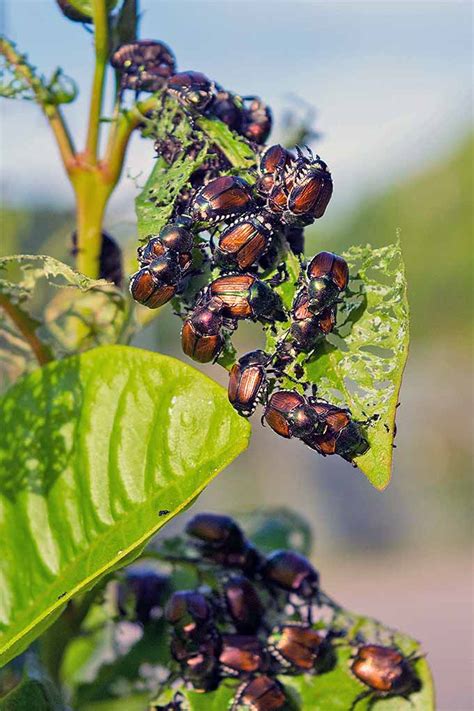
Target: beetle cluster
149	65
258	619
238	229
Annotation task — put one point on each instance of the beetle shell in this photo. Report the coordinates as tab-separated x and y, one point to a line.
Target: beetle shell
298	645
198	660
177	238
187	610
295	237
275	164
153	249
143	587
262	694
233	291
243	604
219	532
226	110
156	283
242	653
289	415
193	90
310	196
343	436
202	347
221	199
243	243
248	559
382	668
292	572
246	381
144	65
330	265
257	120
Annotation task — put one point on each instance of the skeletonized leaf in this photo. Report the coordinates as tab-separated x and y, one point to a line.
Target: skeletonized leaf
79	312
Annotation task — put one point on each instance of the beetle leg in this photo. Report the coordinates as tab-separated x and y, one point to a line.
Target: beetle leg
363	695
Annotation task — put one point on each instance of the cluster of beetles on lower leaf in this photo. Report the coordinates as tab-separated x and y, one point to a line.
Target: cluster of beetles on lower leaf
261	619
239	229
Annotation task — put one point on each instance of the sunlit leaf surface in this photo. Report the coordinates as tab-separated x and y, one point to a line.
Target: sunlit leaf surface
98	452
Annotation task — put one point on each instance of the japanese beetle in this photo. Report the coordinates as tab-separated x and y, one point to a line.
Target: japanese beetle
246	297
225	108
144	65
156	283
248	560
189	612
328	275
384	669
223	198
262	693
291	571
193	90
257	120
216	531
296	646
242	654
275	164
172	238
295	238
305	334
310	194
307	329
243	243
289	415
143	589
342	436
199	660
247	380
201	336
243	604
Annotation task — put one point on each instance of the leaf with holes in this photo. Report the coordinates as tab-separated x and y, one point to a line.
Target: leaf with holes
361	364
92	449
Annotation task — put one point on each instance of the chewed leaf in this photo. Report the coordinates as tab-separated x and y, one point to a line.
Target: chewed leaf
362	366
84	313
93	447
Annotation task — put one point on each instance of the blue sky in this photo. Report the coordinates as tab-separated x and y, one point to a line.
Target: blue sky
390	81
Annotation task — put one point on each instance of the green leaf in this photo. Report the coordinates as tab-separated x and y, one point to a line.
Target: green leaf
278	528
93	448
363	366
34	693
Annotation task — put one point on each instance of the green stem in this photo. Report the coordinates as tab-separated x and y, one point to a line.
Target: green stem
92	193
101	57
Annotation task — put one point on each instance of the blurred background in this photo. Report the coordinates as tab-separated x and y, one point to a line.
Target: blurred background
390	84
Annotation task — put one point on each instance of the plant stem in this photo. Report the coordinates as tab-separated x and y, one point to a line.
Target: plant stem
92	193
26	326
101	57
56	120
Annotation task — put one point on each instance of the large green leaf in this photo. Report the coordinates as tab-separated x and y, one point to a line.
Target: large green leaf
97	452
